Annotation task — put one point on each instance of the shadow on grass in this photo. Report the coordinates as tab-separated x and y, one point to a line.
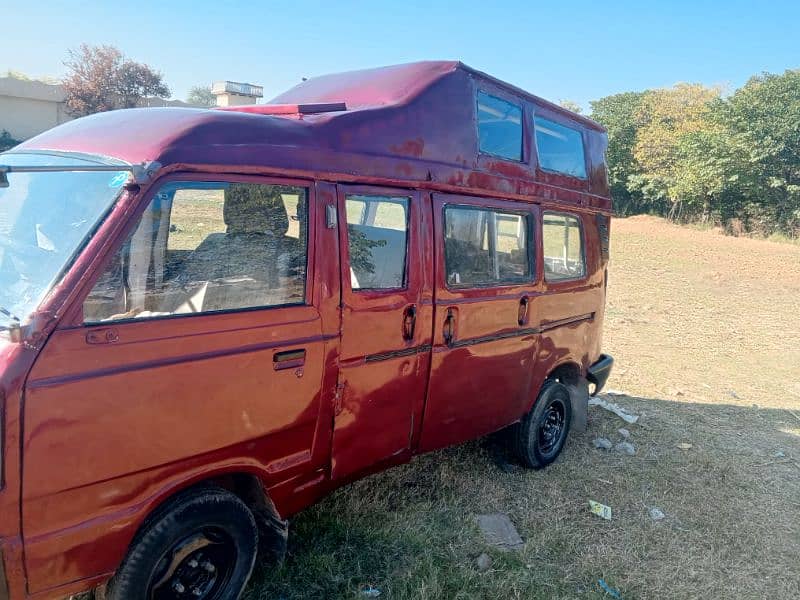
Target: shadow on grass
729	502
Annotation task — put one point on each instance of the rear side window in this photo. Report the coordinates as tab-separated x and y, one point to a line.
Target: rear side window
563	247
377	234
203	247
499	127
486	247
560	148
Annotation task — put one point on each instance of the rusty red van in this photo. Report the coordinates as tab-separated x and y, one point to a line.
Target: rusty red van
212	318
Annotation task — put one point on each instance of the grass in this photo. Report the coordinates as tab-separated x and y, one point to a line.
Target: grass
705	332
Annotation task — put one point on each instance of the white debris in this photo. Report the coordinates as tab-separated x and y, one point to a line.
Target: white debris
603	443
656	514
616	393
601	510
615	408
778	454
624	432
625	448
484	562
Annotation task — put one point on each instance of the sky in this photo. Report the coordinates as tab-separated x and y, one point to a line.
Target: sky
571	50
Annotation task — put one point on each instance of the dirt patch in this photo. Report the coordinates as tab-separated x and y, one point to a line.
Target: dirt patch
706	333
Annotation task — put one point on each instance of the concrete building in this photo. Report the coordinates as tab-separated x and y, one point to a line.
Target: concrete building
232	93
28	107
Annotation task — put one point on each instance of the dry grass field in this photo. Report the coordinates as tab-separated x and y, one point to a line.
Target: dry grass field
705	330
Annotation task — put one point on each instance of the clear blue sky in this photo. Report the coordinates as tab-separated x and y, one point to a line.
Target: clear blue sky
559	50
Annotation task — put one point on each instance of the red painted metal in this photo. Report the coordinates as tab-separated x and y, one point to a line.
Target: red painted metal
119	418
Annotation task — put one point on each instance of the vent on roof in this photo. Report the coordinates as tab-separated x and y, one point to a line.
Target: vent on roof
289	109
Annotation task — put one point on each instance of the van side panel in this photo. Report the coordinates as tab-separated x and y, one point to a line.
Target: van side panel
112	430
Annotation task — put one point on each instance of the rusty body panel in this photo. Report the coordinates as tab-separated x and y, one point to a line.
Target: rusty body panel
102	423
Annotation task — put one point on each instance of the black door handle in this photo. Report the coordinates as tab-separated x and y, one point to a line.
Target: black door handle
409	322
289	359
522	314
449	330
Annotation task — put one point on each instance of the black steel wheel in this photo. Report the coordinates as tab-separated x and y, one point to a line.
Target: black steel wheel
539	438
200	546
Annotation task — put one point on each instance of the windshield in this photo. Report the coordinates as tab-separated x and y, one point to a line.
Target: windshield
44	220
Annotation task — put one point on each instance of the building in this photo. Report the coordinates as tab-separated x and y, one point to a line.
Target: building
28	107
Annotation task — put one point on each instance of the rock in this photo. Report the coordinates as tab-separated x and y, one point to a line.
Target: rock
603	443
656	514
625	448
499	531
483	562
624	432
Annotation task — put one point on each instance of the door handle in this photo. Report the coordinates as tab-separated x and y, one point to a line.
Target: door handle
449	329
102	336
409	322
289	359
522	314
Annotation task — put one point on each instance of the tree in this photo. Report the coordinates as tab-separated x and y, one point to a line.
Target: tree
665	118
101	78
618	114
763	121
571	105
200	95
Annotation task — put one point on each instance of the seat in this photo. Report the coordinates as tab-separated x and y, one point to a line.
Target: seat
244	265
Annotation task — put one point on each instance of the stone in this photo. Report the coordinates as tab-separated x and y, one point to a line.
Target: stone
624	432
484	562
499	531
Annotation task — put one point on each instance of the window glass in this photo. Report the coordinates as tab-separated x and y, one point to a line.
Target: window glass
485	247
499	127
563	247
205	247
560	148
377	228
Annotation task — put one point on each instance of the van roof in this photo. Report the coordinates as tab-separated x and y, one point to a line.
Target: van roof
412	122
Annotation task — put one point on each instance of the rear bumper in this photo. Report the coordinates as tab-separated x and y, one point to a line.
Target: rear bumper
599	371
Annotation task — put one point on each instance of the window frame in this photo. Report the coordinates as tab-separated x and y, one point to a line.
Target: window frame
585	178
406	259
579	218
132	220
523	125
530	250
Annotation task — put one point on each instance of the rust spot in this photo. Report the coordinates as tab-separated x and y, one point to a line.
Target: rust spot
410	147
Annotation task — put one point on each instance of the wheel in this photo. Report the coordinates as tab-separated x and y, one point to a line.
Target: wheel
538	439
199	546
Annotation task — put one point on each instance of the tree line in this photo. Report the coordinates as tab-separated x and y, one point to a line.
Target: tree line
693	153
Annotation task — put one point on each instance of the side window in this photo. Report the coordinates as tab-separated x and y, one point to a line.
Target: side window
560	148
563	247
377	237
499	127
486	247
206	247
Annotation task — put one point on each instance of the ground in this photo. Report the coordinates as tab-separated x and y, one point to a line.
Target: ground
705	330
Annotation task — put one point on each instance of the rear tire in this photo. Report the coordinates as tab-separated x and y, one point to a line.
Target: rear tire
200	546
539	438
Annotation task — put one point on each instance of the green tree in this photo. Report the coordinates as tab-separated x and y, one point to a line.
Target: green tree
762	119
100	78
665	119
200	95
571	105
618	114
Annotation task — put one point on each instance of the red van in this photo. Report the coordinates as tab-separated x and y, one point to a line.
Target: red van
212	318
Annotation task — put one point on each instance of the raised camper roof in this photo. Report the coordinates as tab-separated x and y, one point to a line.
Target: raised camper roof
437	124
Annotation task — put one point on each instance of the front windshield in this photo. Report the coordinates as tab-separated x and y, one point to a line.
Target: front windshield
44	219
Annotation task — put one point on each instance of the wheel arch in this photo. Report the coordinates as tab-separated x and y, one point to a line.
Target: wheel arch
569	373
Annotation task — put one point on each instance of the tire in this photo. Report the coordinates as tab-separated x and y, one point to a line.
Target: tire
199	546
539	438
